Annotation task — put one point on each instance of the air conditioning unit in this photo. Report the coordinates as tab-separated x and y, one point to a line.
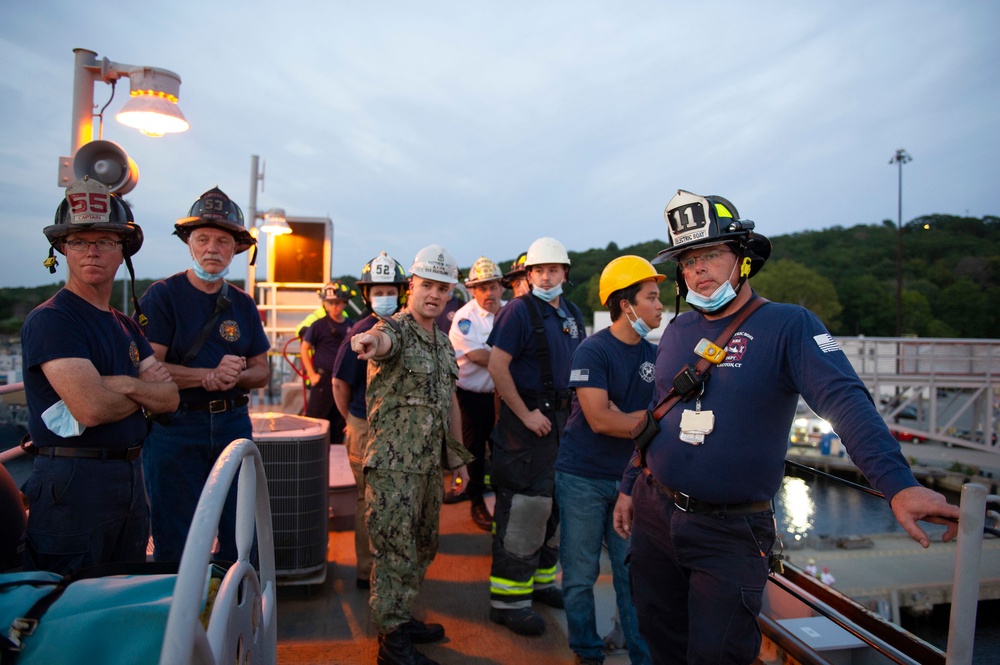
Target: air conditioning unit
296	453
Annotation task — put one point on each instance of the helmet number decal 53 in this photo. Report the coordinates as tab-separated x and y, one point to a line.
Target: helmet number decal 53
213	205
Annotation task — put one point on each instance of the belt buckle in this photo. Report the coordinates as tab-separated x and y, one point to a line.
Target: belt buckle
217	406
681	496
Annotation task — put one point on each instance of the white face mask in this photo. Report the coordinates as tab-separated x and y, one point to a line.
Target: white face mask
384	305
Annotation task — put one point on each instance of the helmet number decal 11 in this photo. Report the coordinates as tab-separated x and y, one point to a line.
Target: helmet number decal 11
687	218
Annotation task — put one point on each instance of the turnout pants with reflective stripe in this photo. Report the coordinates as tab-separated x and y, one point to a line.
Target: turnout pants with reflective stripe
526	519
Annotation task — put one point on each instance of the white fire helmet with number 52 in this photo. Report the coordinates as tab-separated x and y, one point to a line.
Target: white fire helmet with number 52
436	263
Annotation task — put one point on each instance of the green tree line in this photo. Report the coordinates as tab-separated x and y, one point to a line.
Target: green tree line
845	275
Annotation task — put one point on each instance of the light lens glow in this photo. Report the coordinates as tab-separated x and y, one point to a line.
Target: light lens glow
275	223
153	115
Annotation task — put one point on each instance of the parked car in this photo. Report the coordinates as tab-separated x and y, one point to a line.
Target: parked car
908	437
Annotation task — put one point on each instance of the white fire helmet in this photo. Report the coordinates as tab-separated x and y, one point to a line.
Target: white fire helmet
546	250
482	271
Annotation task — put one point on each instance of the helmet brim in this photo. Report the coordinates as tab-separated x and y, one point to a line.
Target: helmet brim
186	225
130	234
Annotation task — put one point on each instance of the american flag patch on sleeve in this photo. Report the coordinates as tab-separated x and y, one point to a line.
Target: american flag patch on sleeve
582	375
826	343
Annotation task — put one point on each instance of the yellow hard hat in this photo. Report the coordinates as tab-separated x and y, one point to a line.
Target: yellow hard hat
624	272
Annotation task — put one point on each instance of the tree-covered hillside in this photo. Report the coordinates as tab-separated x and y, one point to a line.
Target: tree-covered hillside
847	276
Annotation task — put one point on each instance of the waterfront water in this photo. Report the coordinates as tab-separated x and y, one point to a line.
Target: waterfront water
814	507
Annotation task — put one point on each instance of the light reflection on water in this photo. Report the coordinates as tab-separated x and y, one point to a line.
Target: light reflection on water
815	507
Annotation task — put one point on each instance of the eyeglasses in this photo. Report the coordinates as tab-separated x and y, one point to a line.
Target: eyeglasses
103	245
707	258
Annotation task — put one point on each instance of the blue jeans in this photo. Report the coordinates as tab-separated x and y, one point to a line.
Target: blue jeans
698	580
586	515
83	513
177	459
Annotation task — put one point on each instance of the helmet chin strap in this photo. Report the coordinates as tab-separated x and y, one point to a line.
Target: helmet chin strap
140	317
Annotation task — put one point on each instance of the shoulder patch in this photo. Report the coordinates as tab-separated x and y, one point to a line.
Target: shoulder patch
581	375
826	343
464	325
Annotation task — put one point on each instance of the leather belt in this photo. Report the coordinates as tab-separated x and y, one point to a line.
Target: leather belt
104	454
685	503
216	405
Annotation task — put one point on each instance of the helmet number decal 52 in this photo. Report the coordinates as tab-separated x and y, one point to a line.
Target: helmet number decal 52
93	202
382	269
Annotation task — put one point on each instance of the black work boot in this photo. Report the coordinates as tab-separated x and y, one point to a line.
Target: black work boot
396	648
422	633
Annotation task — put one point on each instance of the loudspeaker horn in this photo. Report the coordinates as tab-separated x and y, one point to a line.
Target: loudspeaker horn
108	163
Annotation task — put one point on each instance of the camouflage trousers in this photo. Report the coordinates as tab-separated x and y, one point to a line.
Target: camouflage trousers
403	514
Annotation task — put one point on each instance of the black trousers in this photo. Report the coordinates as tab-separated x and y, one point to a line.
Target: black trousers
478	415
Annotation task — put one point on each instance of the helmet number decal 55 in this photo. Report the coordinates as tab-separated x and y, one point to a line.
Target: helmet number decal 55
96	203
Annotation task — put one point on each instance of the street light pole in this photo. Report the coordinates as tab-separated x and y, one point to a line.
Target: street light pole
901	157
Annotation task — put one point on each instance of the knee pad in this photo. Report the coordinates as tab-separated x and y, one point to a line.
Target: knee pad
525	531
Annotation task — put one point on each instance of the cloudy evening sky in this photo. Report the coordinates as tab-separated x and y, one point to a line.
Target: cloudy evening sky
484	125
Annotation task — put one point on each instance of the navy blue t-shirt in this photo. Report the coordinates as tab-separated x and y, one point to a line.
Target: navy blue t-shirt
67	326
444	319
352	371
779	353
177	312
326	336
626	372
513	333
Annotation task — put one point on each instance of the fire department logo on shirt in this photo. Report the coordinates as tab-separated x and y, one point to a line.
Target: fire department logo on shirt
230	330
736	348
464	325
133	354
646	371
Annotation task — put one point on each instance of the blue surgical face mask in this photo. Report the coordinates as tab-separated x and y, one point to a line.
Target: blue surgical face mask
548	295
203	274
61	422
638	325
384	305
719	299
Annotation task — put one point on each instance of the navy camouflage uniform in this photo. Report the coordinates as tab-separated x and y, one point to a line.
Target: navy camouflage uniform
409	398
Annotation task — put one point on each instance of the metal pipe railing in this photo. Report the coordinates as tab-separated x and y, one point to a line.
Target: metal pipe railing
965	583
